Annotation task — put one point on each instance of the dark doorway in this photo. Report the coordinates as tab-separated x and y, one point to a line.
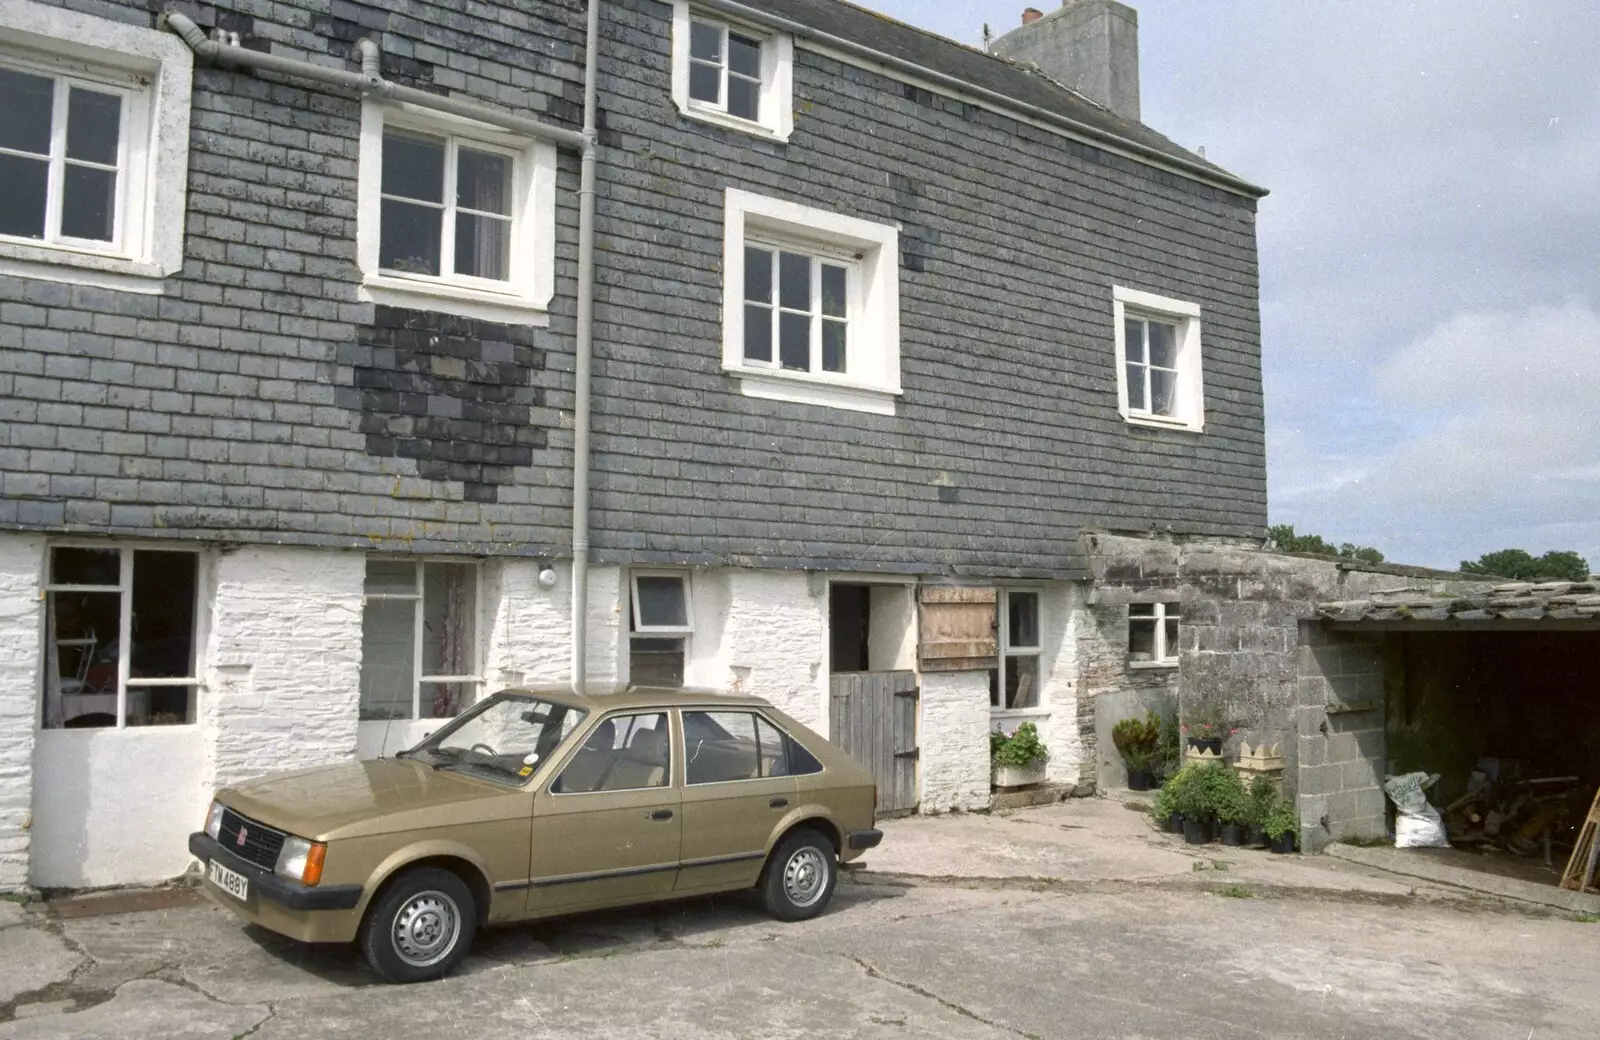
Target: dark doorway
849	625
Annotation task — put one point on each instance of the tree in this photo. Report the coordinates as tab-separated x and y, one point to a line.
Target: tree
1283	536
1520	565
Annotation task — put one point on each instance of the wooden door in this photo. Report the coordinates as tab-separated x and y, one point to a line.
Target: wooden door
873	718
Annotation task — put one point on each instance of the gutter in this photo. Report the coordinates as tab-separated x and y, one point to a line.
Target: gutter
369	81
1066	124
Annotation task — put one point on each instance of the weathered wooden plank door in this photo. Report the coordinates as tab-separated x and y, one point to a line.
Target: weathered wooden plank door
873	717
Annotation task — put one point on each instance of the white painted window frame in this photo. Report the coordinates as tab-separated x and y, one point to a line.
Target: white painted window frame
1166	657
871	382
817	257
1007	651
154	71
777	75
124	591
1185	317
524	299
417	598
644	631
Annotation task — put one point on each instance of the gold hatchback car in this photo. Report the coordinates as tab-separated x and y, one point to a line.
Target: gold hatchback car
535	803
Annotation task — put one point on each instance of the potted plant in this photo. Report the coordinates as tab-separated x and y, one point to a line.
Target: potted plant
1164	810
1138	741
1228	803
1281	824
1018	760
1168	757
1263	792
1207	728
1191	802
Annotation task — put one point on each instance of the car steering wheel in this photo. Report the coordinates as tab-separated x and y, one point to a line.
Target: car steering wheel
492	752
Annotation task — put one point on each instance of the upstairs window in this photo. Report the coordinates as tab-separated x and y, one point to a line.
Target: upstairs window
797	310
730	74
455	217
94	138
1158	360
1153	635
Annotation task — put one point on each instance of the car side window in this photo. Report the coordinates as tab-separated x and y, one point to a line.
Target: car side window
724	746
622	753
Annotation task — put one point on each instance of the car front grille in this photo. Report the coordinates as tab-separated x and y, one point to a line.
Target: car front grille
261	843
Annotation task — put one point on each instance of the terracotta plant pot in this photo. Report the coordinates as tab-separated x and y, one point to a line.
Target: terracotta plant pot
1139	780
1284	843
1232	834
1194	832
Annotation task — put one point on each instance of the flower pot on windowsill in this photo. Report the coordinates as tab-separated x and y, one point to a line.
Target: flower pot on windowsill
1019	776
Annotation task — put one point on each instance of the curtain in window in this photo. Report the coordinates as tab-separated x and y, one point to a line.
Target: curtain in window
454	639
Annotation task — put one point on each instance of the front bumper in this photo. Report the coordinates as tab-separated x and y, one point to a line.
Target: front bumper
863	840
267	887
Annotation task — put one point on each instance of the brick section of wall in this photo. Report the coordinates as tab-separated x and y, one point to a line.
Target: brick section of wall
21	606
953	734
284	661
222	409
1342	753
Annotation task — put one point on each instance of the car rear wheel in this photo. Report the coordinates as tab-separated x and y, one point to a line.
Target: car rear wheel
799	877
420	927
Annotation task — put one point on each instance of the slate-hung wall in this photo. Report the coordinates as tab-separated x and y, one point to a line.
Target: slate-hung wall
257	400
253	401
1007	437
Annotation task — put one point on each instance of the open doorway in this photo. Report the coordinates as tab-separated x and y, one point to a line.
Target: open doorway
872	685
871	628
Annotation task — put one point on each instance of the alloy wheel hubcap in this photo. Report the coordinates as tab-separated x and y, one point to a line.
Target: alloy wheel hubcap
426	928
805	876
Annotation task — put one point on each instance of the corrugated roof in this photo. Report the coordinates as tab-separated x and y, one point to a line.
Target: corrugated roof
919	47
1514	601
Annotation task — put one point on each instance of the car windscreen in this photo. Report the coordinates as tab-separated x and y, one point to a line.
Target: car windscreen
505	738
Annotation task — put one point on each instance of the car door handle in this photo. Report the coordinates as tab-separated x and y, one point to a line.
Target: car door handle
661	814
778	803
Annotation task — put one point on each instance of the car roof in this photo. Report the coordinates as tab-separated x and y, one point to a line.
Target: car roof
610	696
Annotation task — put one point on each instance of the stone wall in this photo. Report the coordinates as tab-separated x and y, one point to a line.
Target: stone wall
953	734
1112	688
1340	744
21	628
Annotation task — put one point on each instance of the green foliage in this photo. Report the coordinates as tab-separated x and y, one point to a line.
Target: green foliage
1139	740
1281	819
1237	892
1583	918
1194	790
1263	792
1283	536
1169	753
1208	721
1164	804
1022	748
1520	565
1224	794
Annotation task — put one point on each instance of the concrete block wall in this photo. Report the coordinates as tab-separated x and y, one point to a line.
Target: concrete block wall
953	734
1341	753
21	630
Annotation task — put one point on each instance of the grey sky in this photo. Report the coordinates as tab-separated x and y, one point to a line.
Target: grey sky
1430	253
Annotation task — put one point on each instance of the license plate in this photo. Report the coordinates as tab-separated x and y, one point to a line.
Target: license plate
230	881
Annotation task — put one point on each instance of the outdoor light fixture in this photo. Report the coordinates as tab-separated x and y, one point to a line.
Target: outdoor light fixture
547	578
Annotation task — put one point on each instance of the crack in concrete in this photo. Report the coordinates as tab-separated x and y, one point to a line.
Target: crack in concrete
911	987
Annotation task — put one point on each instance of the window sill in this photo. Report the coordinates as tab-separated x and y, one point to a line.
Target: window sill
99	270
777	385
1156	423
1019	713
1153	665
727	122
503	308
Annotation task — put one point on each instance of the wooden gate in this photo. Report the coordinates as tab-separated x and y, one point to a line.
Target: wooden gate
872	716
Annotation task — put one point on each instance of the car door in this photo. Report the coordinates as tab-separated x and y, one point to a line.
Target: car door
737	789
607	829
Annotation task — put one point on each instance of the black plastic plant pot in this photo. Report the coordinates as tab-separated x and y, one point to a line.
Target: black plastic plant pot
1232	834
1175	823
1256	836
1139	780
1283	844
1211	744
1194	832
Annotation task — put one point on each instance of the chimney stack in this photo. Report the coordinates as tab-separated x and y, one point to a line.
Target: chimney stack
1091	46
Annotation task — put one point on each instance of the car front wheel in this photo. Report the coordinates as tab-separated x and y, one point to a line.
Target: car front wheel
799	877
420	927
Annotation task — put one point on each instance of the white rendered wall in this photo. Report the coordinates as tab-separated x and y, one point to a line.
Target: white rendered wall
1059	609
21	632
529	629
892	628
284	660
762	633
116	806
953	734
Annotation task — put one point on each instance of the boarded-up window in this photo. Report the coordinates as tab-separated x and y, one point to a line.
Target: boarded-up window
958	629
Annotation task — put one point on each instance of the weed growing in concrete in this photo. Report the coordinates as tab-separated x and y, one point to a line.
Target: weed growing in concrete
1587	918
1237	892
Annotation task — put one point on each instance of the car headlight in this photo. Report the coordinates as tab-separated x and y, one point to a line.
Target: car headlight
214	820
301	860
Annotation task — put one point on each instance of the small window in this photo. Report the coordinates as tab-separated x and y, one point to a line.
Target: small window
418	640
446	208
1014	685
797	310
1153	634
623	753
101	673
659	626
724	746
94	138
730	74
1158	360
